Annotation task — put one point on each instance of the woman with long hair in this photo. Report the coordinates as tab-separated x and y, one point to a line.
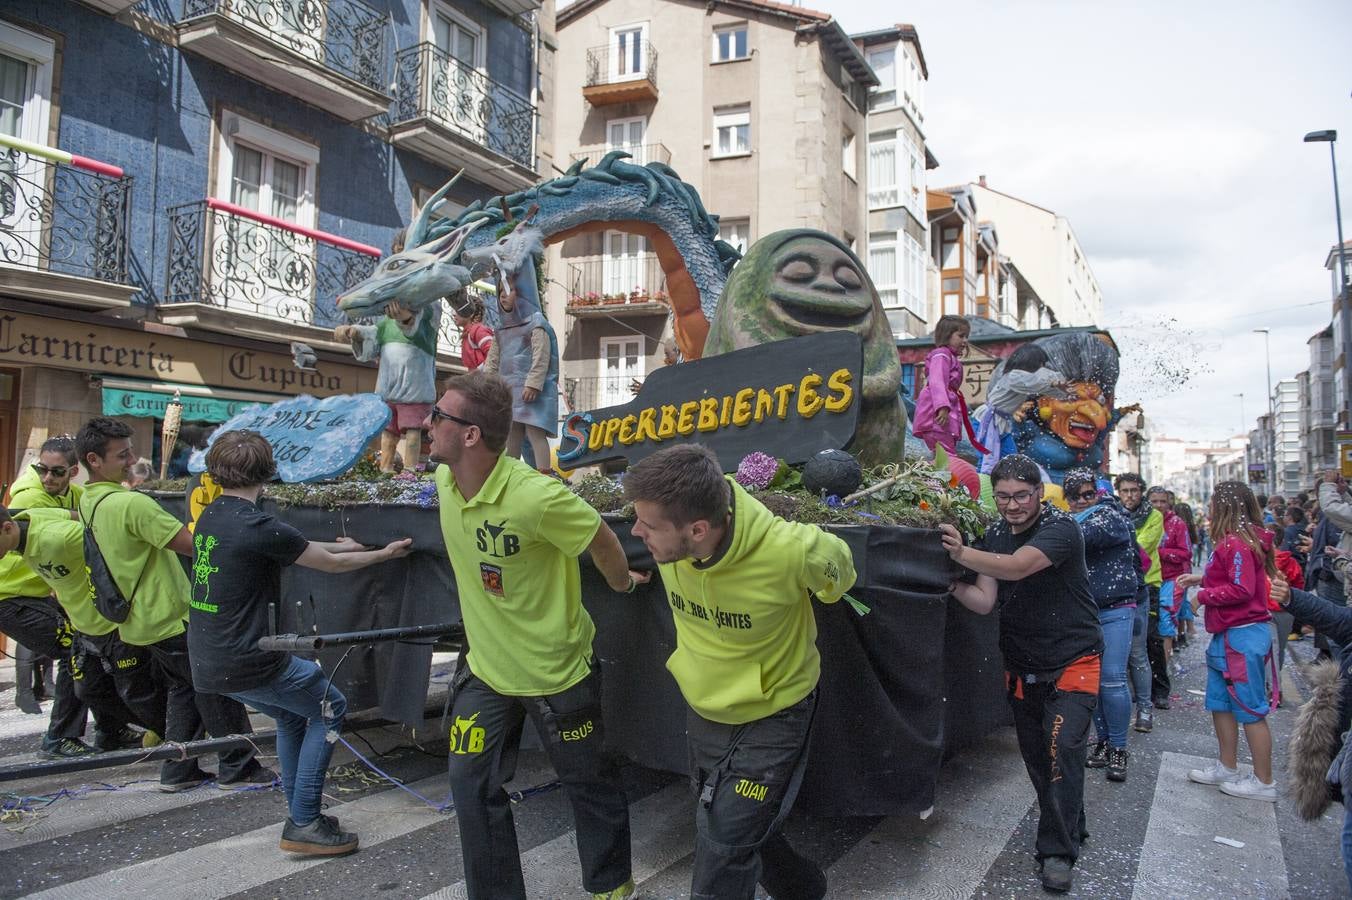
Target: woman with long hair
1234	592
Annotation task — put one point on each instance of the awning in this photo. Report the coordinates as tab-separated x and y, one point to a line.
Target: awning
148	399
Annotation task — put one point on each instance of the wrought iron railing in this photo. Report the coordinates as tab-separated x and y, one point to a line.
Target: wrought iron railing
613	64
616	281
597	392
227	257
63	218
640	154
430	83
348	37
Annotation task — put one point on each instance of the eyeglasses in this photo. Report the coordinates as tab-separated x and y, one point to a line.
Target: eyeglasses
58	471
1086	495
1021	497
438	413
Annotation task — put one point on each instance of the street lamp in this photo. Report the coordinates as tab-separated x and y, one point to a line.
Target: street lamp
1330	137
1243	422
1270	476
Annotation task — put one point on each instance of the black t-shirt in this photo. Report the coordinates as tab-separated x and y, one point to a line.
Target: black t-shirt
1049	619
238	554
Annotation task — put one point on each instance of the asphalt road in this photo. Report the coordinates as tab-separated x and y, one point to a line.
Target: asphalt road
112	834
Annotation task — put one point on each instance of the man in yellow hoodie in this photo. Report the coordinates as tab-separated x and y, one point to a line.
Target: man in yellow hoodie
740	583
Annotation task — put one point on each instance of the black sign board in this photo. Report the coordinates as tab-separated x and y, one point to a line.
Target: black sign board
789	399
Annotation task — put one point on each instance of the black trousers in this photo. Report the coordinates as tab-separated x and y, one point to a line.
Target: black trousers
747	777
132	672
1053	726
190	716
41	625
1160	683
484	740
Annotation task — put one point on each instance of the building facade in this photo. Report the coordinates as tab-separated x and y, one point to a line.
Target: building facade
215	173
761	106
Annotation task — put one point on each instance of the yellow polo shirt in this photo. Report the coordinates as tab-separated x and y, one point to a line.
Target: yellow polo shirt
514	550
17	579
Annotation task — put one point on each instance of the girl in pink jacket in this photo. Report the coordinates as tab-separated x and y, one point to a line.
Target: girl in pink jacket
1235	594
940	409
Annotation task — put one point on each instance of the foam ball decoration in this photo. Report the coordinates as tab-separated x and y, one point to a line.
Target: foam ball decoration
833	472
966	474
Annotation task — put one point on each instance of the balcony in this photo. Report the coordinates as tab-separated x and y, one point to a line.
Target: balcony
63	228
111	7
235	271
456	116
618	74
617	286
329	53
640	154
597	392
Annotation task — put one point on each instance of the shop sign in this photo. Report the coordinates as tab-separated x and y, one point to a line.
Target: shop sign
789	399
118	402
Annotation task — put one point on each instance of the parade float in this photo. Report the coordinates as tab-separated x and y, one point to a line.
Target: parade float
791	377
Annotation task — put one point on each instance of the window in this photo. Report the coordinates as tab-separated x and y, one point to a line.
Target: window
267	171
882	265
735	232
628	52
624	267
621	364
730	43
913	280
25	109
732	131
913	196
627	135
848	154
882	171
457	36
883	63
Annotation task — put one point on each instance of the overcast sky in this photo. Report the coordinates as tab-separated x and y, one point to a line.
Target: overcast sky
1170	135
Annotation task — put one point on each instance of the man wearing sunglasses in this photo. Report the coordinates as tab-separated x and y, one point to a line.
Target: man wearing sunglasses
30	615
1031	565
513	536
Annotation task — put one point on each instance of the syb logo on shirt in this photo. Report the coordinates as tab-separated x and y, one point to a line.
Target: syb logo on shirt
495	541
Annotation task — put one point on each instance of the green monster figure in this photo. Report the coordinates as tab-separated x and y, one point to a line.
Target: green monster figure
798	282
202	569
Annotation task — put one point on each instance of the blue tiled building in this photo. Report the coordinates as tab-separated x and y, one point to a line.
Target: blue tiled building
222	170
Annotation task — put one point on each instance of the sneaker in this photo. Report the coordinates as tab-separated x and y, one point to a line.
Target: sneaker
623	892
66	748
1161	703
1117	763
125	738
1213	774
1098	757
197	779
1145	720
1250	788
319	838
259	775
1057	873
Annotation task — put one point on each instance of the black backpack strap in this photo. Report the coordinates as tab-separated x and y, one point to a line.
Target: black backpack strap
89	526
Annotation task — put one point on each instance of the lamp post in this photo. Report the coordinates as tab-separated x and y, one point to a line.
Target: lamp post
1242	421
1344	301
1270	475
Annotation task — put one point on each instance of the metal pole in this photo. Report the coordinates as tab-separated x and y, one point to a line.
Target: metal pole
1242	419
1344	300
1270	478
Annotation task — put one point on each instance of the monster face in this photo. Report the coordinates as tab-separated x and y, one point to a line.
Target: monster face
416	278
1080	418
817	286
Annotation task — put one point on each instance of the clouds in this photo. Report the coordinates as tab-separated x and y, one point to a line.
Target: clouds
1170	135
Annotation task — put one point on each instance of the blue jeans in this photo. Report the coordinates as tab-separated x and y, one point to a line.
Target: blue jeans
1113	713
1139	658
296	699
1347	835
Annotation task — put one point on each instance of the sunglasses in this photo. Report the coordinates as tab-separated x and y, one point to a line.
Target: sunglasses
58	471
437	413
1086	495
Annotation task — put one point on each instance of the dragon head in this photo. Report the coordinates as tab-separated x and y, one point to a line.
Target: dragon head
417	277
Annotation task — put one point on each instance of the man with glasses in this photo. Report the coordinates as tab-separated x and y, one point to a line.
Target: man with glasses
1031	565
30	615
1149	525
513	536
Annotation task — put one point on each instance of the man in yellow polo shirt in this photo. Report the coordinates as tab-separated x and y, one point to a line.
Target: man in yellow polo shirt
513	537
740	582
30	615
139	541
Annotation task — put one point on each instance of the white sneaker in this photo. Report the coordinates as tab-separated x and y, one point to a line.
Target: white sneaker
1213	774
1250	788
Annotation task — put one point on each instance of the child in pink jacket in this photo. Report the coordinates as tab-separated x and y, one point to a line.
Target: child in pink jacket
1235	595
939	408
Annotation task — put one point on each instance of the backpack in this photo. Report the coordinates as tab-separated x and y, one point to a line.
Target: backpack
108	598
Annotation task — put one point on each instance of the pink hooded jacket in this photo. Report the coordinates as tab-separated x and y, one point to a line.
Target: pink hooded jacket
1235	585
1175	549
943	379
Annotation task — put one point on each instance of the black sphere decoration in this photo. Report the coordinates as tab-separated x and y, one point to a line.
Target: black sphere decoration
832	472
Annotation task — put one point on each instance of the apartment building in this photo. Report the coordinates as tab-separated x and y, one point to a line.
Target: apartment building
899	260
1318	413
760	105
187	186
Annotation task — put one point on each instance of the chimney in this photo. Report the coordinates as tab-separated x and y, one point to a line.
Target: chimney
981	180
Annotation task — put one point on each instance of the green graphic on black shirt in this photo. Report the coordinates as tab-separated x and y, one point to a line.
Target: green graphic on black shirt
202	570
